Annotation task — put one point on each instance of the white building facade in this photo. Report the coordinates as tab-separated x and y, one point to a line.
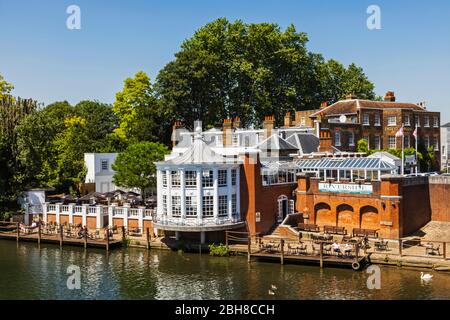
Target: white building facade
198	190
99	171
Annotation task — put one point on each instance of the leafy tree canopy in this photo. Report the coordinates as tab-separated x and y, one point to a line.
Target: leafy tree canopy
135	166
230	69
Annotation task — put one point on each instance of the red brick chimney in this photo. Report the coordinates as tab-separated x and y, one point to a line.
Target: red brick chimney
227	132
178	124
287	120
323	105
268	125
390	96
237	123
325	143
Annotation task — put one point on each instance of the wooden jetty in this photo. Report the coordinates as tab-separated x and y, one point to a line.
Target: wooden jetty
311	252
12	231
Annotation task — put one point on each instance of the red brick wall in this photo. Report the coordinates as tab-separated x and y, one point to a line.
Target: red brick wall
439	195
258	198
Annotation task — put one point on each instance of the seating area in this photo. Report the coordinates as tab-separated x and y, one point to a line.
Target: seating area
432	250
335	230
370	233
308	227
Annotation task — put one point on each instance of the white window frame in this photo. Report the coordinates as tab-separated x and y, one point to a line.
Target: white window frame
435	122
390	142
191	206
222	177
377	121
103	161
337	139
223	205
175	178
417	121
190	179
407	120
208	206
426	141
392	123
207	178
351	139
366	119
367	138
426	121
233	177
407	141
176	206
436	143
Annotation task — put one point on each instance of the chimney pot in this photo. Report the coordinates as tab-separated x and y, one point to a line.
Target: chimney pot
390	96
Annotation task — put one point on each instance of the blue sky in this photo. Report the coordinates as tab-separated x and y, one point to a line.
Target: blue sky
44	60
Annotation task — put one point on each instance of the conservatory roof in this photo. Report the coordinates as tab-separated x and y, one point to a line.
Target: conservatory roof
371	164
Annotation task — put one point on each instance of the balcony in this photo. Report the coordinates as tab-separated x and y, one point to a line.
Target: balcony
193	224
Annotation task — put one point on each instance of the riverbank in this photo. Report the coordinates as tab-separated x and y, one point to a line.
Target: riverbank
30	272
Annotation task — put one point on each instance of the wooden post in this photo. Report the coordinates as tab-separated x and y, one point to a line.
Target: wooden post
18	231
61	230
400	247
282	251
39	233
123	234
321	255
107	238
147	231
226	238
85	237
444	249
249	248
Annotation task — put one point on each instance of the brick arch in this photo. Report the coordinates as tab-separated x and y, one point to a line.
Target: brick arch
345	216
323	214
369	217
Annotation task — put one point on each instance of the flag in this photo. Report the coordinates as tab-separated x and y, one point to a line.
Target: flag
415	133
399	133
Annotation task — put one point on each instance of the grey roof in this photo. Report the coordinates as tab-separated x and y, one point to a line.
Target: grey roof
447	125
345	164
275	142
380	154
304	142
199	152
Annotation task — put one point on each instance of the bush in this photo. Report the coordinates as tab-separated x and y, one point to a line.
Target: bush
126	242
219	250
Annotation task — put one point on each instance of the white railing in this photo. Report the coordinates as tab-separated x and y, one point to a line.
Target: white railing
194	222
104	211
133	212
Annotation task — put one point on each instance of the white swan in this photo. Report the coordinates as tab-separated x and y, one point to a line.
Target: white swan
271	293
425	276
273	287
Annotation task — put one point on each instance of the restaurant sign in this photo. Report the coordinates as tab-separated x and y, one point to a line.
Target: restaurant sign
345	188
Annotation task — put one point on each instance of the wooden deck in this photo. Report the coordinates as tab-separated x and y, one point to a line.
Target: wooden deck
55	239
332	261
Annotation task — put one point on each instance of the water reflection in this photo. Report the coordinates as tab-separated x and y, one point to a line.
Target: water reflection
27	272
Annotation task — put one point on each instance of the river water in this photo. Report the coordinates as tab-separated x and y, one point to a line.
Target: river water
27	272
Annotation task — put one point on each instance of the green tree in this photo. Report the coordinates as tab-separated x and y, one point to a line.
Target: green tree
70	147
100	123
137	109
135	166
36	150
250	70
5	87
12	112
361	146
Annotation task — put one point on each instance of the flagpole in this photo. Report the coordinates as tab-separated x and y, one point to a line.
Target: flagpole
417	156
403	152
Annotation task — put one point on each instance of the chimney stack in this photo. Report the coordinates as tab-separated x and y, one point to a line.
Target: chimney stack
176	137
287	120
323	105
268	125
227	132
325	142
237	123
390	96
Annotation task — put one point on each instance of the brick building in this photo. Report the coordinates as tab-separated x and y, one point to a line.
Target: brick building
347	121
